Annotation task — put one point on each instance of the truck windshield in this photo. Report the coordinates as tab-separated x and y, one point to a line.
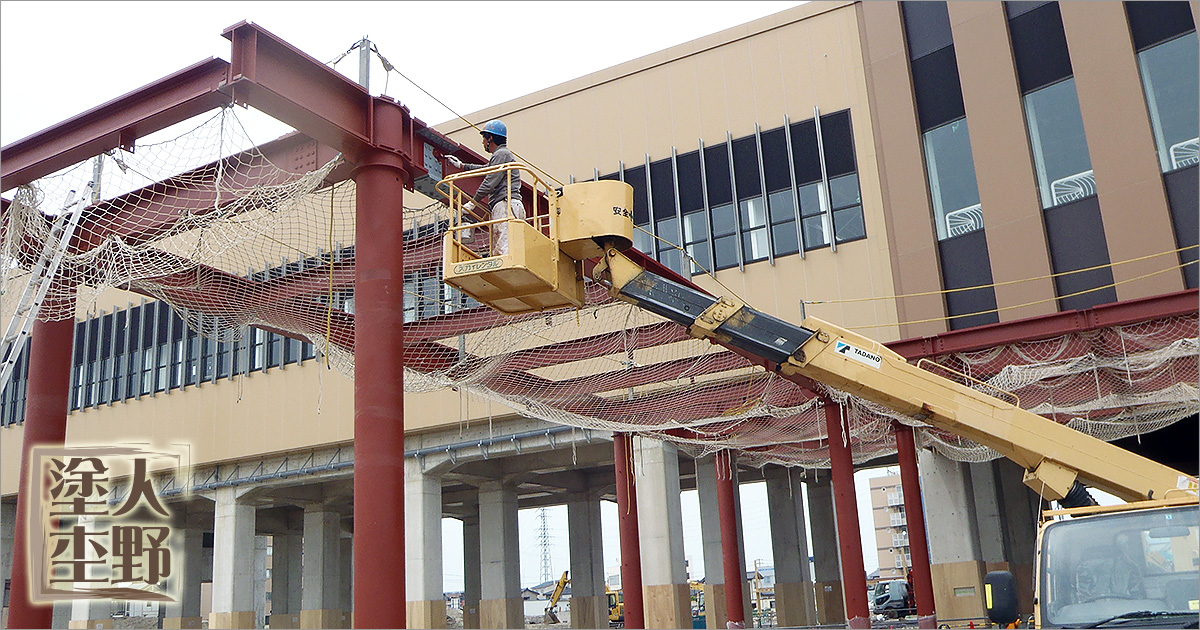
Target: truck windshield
1107	565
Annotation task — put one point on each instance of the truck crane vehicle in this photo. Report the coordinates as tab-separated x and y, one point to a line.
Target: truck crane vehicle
1155	533
551	615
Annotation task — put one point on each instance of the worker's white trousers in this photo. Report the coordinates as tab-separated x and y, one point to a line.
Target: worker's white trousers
500	230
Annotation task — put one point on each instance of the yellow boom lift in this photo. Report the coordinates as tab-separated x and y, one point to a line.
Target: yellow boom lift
1157	570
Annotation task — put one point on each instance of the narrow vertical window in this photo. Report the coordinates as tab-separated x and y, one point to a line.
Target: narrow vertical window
720	199
1170	72
952	183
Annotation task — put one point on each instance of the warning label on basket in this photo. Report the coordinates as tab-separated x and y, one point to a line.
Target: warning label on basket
858	354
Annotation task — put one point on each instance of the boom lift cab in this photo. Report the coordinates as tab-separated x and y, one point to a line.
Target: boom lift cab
542	267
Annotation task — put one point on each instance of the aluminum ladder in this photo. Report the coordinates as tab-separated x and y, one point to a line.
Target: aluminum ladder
41	277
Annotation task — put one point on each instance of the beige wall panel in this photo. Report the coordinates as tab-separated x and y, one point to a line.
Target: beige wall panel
1133	200
795	59
962	575
714	98
1008	188
606	99
686	128
769	101
899	163
276	412
739	89
658	95
634	129
829	54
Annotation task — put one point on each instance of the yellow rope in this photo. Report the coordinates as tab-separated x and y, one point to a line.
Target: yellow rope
1034	303
1001	284
329	306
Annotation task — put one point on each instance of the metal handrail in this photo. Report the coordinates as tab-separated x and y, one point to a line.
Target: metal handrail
457	198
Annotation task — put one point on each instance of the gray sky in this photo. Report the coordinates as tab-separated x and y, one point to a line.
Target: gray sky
58	59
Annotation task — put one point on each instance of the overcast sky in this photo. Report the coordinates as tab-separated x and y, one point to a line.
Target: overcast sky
58	59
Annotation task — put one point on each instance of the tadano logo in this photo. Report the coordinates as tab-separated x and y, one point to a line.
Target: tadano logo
858	354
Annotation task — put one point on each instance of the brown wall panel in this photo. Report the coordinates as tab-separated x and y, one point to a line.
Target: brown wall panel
1008	188
907	206
1133	202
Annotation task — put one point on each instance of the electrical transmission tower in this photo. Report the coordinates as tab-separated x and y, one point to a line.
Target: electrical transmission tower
544	544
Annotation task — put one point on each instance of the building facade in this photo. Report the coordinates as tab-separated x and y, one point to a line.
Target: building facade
891	527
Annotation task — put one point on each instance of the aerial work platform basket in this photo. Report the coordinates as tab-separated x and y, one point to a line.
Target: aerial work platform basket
542	266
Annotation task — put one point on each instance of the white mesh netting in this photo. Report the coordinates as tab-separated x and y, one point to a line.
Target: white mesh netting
232	235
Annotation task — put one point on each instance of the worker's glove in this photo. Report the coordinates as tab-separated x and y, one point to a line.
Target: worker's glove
455	162
470	205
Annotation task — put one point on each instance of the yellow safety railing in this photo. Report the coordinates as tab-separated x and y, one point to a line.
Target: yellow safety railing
463	223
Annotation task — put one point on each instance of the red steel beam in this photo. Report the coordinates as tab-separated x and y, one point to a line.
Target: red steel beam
1047	326
117	123
145	214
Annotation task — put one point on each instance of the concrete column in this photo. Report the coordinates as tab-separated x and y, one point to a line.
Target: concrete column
260	581
233	575
189	566
589	603
347	584
827	570
320	600
500	603
660	529
423	537
286	578
955	559
715	613
794	598
471	568
1020	507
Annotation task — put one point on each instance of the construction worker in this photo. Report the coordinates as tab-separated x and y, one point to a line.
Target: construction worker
505	202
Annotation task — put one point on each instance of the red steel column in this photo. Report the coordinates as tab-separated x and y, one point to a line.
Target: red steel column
854	575
46	408
914	512
379	594
731	554
631	551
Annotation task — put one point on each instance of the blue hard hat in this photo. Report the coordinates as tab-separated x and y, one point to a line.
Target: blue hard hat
496	128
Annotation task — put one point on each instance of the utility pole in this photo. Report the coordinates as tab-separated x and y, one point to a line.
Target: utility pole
544	543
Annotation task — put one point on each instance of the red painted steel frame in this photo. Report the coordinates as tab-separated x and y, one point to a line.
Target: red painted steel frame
46	411
117	123
854	575
627	518
379	562
731	551
910	480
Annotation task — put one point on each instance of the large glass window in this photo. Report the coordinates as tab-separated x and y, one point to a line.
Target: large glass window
813	216
755	243
1060	149
725	237
952	183
695	238
848	224
782	206
1171	79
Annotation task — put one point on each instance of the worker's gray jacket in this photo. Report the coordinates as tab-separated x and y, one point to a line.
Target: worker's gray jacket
493	184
